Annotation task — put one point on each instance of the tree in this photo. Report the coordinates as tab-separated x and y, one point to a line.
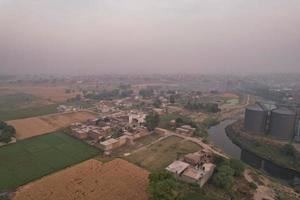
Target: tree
157	103
237	166
224	177
179	121
148	92
152	121
117	132
162	186
289	150
172	99
6	132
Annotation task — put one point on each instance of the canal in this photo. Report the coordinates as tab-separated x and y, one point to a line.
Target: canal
218	137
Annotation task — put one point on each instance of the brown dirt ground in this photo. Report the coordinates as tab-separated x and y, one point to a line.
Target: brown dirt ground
90	180
34	126
230	95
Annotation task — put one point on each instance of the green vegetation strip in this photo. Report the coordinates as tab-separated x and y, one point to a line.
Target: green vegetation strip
36	157
161	154
279	154
6	115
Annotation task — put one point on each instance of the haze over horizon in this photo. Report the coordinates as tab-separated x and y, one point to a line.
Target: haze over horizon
144	36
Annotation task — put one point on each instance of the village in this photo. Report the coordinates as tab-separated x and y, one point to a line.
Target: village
143	129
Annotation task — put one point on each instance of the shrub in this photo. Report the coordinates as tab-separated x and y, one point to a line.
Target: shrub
237	166
253	185
162	186
223	178
289	150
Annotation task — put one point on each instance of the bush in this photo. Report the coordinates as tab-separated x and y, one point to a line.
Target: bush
152	121
237	166
6	132
280	196
289	150
162	186
223	178
253	185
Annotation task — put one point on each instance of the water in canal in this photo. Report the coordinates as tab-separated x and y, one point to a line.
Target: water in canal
217	135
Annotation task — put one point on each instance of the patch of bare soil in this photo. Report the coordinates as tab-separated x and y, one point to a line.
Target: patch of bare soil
34	126
90	180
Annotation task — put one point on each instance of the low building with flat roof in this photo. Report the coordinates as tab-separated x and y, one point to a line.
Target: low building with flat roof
177	167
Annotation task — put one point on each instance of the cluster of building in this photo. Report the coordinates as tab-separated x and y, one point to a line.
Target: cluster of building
279	122
109	133
65	108
193	168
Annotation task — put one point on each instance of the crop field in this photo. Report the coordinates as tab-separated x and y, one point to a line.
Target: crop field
22	113
159	155
90	180
33	158
52	94
34	126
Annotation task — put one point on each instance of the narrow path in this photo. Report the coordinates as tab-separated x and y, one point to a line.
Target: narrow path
262	192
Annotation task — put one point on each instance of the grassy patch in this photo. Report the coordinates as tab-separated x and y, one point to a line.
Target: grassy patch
165	119
33	158
6	115
15	100
148	139
161	154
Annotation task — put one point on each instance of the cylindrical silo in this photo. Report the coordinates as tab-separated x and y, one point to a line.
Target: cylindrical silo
282	124
255	118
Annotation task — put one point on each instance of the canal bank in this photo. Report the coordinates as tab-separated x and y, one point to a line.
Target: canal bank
218	136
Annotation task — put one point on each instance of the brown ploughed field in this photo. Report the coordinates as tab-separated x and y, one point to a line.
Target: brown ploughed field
34	126
90	180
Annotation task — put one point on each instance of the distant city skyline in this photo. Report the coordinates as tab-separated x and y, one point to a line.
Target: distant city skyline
146	36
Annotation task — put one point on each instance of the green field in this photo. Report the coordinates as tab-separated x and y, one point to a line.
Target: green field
6	115
15	100
161	154
33	158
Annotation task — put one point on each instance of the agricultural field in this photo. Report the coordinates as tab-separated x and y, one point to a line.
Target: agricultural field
47	94
90	180
159	155
36	157
23	102
22	113
34	126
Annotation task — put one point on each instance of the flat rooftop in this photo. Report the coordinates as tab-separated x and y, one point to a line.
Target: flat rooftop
177	167
193	173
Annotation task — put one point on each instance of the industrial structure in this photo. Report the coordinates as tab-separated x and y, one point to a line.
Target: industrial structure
280	122
256	118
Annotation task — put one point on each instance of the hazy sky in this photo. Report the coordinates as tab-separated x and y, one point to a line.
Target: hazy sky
149	36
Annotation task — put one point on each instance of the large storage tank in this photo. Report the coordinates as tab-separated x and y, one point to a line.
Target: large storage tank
255	118
282	125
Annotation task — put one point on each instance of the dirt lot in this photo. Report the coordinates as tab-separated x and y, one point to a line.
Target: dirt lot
34	126
90	180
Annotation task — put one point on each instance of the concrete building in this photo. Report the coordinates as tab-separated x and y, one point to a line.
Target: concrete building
194	168
137	119
200	176
186	130
177	167
109	144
